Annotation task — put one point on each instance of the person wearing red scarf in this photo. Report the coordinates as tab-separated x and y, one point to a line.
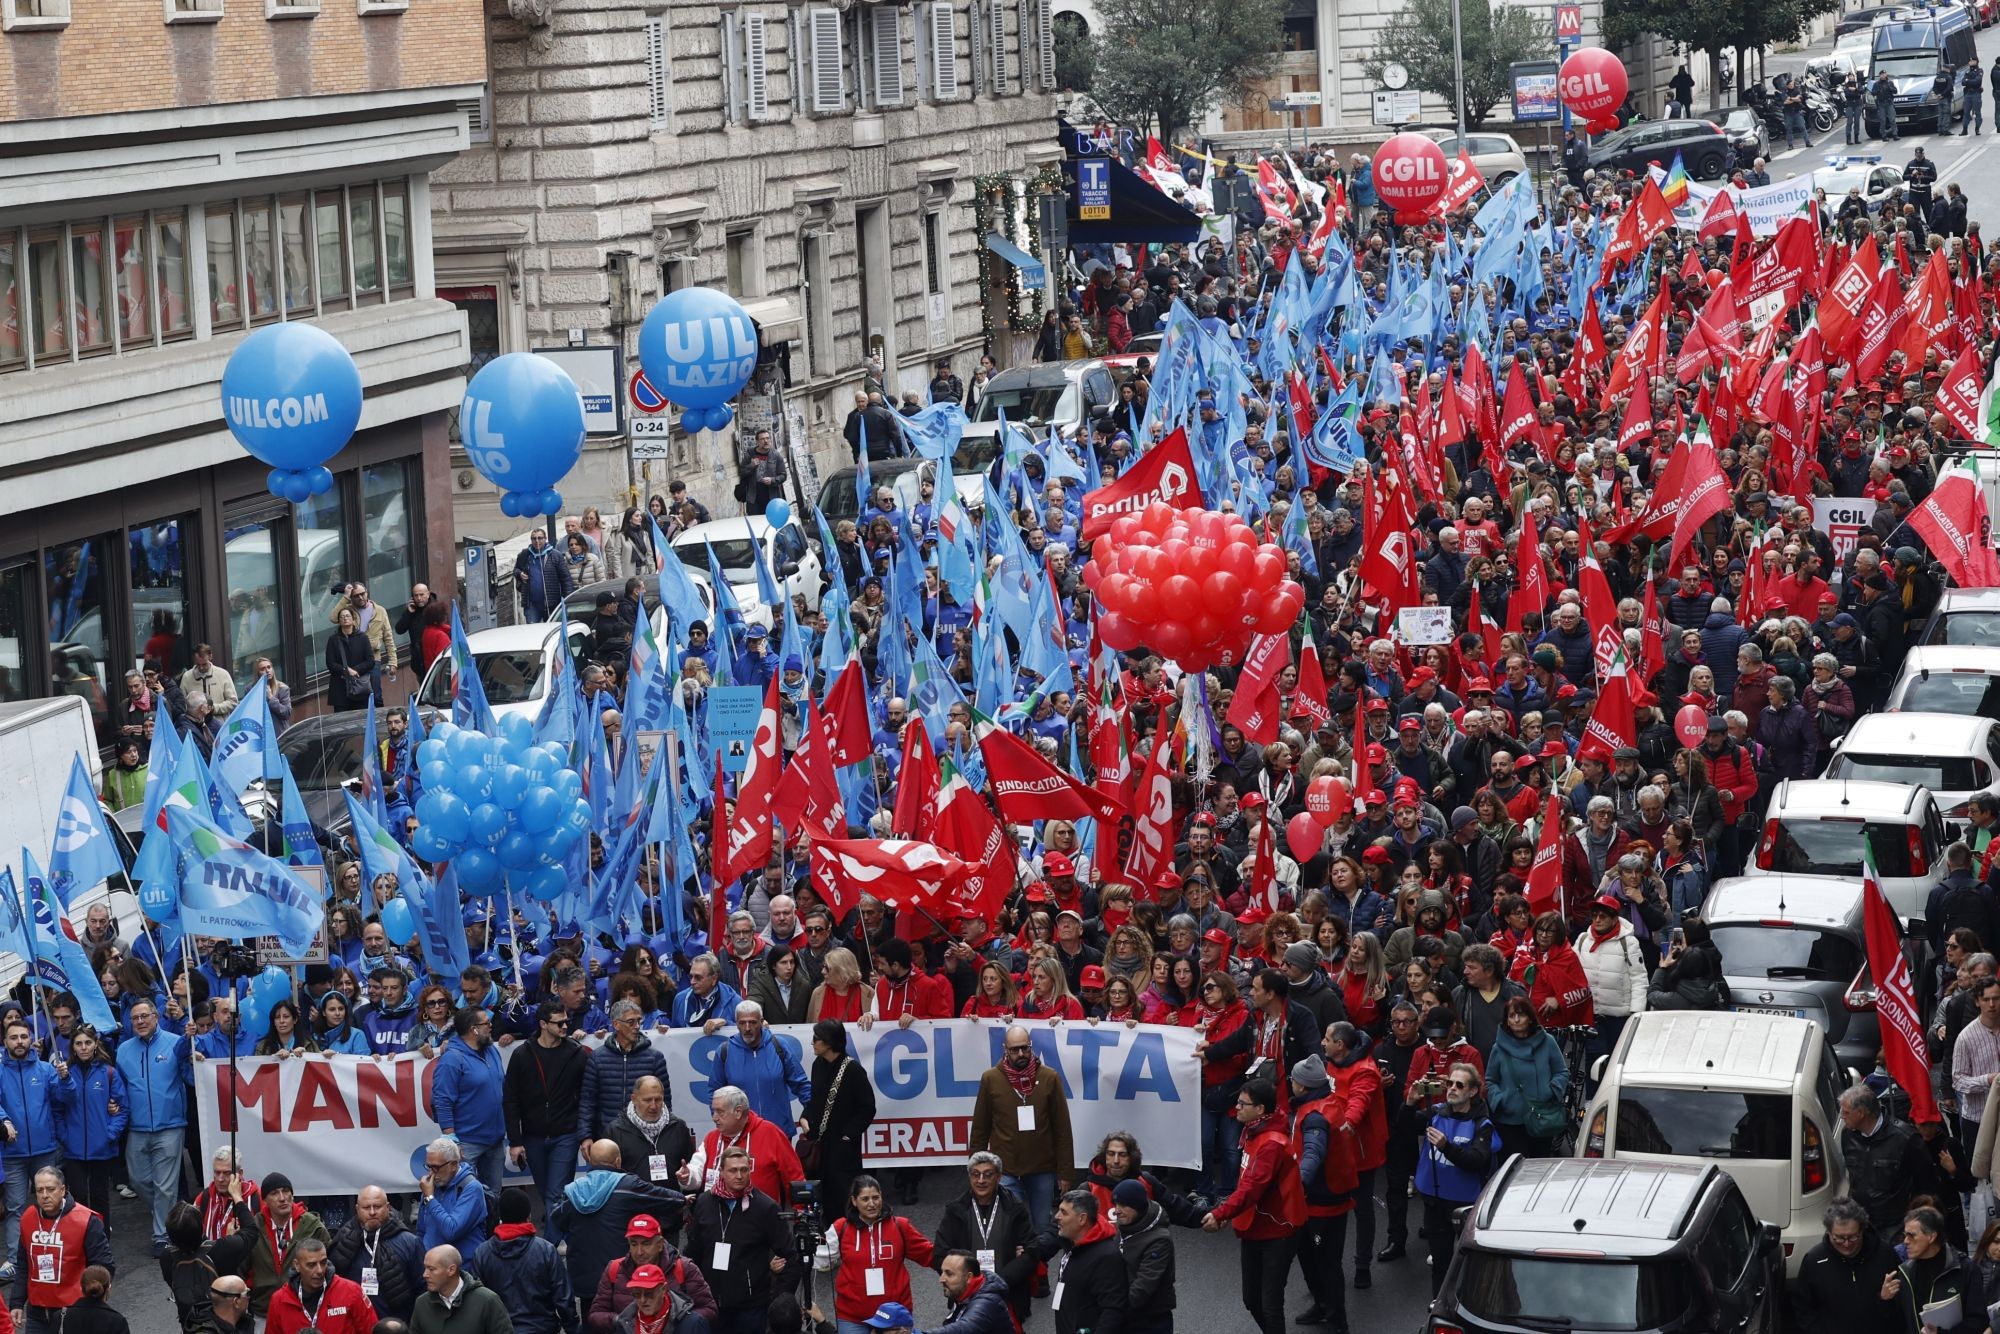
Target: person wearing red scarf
315	1297
1215	1014
1267	1207
281	1224
1557	987
523	1269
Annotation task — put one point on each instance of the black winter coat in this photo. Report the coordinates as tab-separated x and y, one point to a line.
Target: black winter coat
1148	1248
399	1264
541	1089
1836	1295
528	1277
1095	1288
851	1115
1007	1232
755	1233
1885	1170
675	1143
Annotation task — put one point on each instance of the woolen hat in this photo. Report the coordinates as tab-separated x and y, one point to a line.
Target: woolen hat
1131	1193
1310	1075
1302	954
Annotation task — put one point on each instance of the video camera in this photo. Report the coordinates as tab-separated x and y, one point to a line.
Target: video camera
235	961
808	1232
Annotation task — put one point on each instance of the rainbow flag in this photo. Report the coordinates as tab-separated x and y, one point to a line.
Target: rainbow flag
1675	188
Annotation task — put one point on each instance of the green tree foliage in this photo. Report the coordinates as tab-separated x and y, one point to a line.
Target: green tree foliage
1076	60
1494	37
1165	63
1714	26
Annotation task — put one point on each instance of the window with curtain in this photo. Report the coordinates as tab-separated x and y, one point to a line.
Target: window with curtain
170	259
323	571
157	555
79	636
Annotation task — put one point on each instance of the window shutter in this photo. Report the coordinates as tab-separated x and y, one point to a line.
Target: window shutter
999	46
827	92
795	57
944	50
1045	40
756	73
975	46
888	33
659	88
1024	35
732	84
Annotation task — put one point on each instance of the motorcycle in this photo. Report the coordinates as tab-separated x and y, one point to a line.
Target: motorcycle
1820	107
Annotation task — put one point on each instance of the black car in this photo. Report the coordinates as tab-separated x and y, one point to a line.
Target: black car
325	752
1583	1245
1745	131
1701	143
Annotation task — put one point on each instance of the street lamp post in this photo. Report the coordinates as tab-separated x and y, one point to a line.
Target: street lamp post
1458	74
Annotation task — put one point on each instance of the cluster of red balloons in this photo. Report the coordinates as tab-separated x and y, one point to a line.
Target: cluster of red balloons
1326	797
1193	585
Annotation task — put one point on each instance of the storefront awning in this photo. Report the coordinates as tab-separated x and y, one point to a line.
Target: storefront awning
1140	213
1032	272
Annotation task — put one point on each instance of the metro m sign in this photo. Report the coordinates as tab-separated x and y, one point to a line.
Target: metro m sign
1569	23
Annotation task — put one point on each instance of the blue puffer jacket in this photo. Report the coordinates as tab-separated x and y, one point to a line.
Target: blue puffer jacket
769	1073
388	1030
1520	1072
608	1077
455	1215
157	1075
465	1094
89	1130
532	1281
28	1099
1721	636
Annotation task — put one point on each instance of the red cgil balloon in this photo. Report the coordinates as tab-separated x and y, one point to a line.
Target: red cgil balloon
1411	172
1593	85
1691	725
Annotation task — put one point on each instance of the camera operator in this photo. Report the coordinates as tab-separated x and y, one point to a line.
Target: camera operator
737	1237
1459	1151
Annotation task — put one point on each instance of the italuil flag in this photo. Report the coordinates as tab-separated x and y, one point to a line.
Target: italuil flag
1903	1050
1839	316
1958	397
1704	494
1028	788
747	841
718	858
1532	592
1545	875
1956	527
1152	849
904	874
1165	472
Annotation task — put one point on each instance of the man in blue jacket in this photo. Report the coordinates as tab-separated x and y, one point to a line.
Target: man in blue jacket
525	1271
157	1074
466	1096
227	1033
27	1123
763	1067
388	1022
453	1212
706	996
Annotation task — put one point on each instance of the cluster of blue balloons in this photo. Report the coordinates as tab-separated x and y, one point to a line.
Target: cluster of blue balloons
274	984
523	428
698	347
501	809
291	396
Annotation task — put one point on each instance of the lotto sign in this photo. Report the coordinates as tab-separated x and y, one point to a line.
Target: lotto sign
1843	521
1093	189
327	1117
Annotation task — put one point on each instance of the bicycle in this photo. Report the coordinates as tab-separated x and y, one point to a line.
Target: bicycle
1576	1098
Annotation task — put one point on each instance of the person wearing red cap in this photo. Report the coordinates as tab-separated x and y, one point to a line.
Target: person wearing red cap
655	1307
646	1248
1614	967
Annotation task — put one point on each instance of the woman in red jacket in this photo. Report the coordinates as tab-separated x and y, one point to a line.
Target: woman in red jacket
1267	1207
1215	1015
1557	987
1516	937
995	997
873	1250
1364	982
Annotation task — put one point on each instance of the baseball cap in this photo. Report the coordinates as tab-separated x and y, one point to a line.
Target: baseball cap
1411	723
646	1277
1374	753
1215	935
1056	863
1377	706
1253	801
643	1225
1609	902
891	1315
1092	976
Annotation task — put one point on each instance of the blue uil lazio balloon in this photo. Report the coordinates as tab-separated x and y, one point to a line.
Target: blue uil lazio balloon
699	348
522	424
292	397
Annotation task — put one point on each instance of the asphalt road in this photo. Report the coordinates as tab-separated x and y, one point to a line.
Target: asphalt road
1208	1284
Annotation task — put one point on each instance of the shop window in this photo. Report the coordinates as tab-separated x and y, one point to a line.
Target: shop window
323	572
157	555
260	257
79	636
14	633
298	255
389	537
256	614
225	278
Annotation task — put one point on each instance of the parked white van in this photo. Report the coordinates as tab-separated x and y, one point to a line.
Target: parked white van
1756	1094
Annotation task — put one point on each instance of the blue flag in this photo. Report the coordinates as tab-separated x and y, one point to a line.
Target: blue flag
230	889
372	785
59	960
468	693
13	927
935	432
83	854
238	758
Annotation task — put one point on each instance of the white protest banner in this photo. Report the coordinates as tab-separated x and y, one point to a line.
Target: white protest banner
1767	206
1843	520
1423	625
336	1123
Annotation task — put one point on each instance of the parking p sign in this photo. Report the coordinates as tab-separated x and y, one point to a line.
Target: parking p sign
1843	520
1093	189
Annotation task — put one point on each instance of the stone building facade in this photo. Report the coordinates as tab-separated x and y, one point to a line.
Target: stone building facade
820	162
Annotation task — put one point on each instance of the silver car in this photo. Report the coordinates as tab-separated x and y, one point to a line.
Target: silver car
1795	944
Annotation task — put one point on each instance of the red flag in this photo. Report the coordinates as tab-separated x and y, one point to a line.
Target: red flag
908	876
1652	635
1705	493
1588	355
1152	849
1959	396
1389	568
1545	875
1254	708
1929	307
1475	388
1903	1050
718	897
846	712
1532	592
1847	296
1309	700
1027	787
808	797
968	830
1304	412
1611	722
748	845
1881	325
1600	610
1643	350
1638	424
1782	269
1477	621
917	782
1258	894
1164	472
1517	417
1721	218
1956	527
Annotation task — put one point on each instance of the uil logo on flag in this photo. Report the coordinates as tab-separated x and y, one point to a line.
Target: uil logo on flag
73	825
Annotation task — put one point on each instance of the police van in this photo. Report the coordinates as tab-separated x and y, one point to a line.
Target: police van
1911	46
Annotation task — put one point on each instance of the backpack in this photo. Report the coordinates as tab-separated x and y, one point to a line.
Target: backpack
190	1279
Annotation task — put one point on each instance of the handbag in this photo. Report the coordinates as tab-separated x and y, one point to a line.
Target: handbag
810	1145
1545	1119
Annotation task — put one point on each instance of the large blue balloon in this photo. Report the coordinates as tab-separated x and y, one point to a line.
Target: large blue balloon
397	921
478	871
292	397
430	845
539	811
544	883
522	423
778	513
253	1014
698	347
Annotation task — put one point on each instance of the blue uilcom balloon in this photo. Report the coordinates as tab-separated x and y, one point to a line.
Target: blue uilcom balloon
698	347
522	424
291	396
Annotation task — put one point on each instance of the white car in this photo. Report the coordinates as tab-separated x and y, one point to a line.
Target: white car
1961	679
515	665
1868	171
790	558
1496	156
1952	755
1817	826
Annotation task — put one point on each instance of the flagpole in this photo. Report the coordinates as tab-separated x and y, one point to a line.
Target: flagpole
514	937
34	987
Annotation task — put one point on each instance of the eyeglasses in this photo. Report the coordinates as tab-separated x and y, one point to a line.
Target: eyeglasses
1024	1047
1458	1084
437	1004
